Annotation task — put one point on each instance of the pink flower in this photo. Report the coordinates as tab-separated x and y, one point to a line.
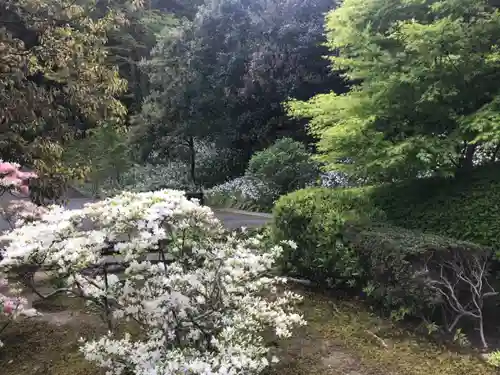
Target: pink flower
14	178
25	175
8	307
24	189
7	168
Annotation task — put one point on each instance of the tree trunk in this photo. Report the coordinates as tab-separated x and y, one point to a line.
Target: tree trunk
466	161
193	159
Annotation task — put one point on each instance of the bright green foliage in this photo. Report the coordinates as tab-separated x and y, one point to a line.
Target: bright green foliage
286	165
493	358
55	80
425	93
315	219
465	208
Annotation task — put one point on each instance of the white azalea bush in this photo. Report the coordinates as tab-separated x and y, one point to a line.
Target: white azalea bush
203	299
246	193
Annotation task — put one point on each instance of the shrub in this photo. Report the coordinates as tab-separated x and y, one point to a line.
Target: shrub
202	307
146	177
405	272
403	267
333	179
315	219
245	193
215	165
286	165
465	208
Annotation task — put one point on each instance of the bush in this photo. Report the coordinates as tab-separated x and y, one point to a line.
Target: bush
315	219
465	208
402	271
13	180
146	177
215	165
202	307
286	165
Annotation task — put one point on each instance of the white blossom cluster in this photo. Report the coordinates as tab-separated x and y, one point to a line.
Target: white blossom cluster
245	188
333	179
202	307
19	212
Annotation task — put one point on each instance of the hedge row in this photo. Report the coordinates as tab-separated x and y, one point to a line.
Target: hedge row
340	244
465	208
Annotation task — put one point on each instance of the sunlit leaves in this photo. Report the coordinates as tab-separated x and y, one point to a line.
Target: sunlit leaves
427	74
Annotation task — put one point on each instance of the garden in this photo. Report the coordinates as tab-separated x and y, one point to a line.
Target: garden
365	132
151	283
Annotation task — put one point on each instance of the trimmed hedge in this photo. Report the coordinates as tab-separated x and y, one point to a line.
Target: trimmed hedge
339	243
314	218
397	264
465	208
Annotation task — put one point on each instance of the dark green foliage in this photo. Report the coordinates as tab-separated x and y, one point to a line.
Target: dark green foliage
286	165
465	208
341	241
223	76
393	260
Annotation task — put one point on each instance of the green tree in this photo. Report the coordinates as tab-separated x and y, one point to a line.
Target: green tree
55	82
223	76
131	43
286	166
426	94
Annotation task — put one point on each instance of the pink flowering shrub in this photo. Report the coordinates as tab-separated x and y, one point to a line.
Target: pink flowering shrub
12	179
12	305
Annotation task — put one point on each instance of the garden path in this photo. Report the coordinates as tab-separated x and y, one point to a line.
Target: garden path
231	219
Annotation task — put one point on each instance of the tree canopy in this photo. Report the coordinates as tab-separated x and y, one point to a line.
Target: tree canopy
224	75
426	95
54	79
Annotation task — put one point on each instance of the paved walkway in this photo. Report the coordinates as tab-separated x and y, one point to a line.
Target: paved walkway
232	219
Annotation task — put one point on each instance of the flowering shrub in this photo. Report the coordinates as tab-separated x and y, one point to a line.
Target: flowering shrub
212	166
201	297
12	179
244	193
19	212
333	179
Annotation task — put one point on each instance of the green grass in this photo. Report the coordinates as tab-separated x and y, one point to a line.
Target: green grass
342	338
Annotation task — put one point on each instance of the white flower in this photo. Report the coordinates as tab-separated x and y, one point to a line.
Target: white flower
200	296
